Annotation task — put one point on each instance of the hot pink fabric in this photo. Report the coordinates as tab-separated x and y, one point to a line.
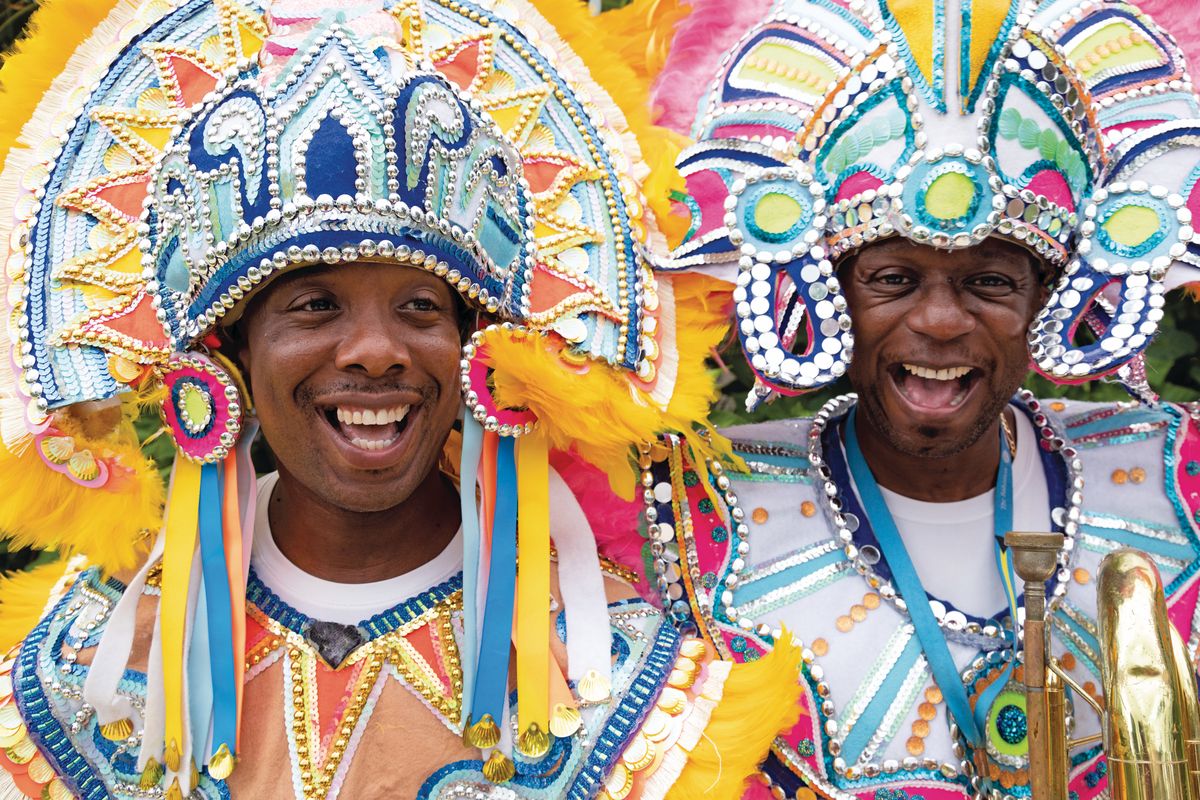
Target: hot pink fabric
700	40
709	191
746	131
856	184
1050	184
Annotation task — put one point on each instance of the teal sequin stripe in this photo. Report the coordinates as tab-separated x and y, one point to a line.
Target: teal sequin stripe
1171	484
629	714
266	601
984	72
45	730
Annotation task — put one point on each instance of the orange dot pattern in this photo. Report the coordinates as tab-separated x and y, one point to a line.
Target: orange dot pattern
858	612
926	712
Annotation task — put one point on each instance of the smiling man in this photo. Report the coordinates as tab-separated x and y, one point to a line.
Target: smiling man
347	224
922	200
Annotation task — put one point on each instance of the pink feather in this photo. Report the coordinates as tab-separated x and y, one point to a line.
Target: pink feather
615	522
1179	18
712	28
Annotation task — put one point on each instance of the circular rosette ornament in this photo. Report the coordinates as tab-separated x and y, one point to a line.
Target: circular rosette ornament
948	200
786	285
203	407
1133	233
477	383
1006	731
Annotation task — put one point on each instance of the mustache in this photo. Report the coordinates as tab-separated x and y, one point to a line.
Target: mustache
313	395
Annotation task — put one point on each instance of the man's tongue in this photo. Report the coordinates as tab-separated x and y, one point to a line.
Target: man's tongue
370	433
928	392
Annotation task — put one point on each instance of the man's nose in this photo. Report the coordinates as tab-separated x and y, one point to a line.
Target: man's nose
373	344
941	312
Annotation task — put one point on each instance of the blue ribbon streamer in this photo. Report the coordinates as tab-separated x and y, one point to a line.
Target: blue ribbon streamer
468	471
908	583
220	611
491	675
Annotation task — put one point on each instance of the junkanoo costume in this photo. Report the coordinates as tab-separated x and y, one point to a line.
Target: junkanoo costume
186	154
1069	126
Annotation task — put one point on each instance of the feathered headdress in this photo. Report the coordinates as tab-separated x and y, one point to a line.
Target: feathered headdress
1068	126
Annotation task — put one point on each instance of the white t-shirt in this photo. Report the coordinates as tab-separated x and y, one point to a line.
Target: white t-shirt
950	544
345	603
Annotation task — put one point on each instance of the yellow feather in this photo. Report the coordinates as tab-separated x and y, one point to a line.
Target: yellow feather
623	51
23	598
55	30
760	701
45	509
607	415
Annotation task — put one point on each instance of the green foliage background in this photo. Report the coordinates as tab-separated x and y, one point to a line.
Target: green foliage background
1173	361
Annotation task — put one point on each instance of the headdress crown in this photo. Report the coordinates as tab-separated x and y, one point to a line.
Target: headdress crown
341	147
1070	127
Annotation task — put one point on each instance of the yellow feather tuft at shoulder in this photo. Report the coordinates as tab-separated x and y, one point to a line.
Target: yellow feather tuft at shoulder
45	509
597	411
24	597
760	701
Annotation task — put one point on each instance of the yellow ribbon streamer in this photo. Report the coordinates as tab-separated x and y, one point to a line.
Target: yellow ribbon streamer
182	520
533	590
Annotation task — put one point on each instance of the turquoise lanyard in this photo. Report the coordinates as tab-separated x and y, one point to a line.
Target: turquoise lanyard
933	642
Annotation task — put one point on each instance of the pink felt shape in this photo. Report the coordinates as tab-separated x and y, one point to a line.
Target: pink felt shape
856	184
709	191
1050	183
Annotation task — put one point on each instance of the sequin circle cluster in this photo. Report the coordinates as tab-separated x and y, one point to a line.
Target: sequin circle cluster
203	407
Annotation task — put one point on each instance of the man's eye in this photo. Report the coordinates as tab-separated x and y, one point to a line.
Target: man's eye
893	279
993	282
314	305
423	304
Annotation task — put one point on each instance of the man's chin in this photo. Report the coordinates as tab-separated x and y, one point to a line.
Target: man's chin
915	432
354	495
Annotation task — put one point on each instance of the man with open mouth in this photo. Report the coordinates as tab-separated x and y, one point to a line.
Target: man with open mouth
408	241
921	200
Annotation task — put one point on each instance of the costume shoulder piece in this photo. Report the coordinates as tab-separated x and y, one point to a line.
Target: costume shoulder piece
739	551
675	714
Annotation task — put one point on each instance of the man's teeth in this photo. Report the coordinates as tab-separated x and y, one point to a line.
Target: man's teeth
371	444
348	416
949	374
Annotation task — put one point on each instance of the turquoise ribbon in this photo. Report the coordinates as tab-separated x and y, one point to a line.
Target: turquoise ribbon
219	612
468	472
933	642
491	674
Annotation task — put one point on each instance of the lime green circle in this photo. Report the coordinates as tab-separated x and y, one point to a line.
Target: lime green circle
1006	698
1132	225
776	213
950	196
196	405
